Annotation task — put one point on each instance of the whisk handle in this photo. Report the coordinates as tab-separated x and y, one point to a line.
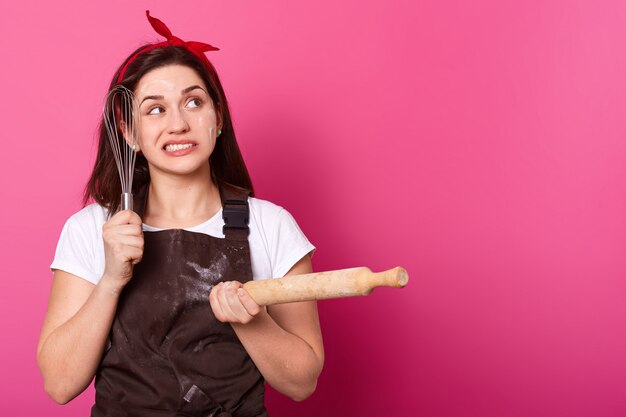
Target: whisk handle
127	201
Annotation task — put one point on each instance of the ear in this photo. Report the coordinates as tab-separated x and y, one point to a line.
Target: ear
128	136
220	118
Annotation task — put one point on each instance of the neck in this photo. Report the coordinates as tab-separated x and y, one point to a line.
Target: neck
176	201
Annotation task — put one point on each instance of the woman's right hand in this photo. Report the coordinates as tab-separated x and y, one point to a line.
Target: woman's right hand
123	247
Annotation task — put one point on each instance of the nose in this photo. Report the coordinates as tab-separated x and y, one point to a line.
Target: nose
177	122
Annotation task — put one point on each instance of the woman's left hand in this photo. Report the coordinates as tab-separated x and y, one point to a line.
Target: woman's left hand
232	304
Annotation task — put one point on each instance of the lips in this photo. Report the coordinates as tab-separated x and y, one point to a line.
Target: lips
179	145
172	148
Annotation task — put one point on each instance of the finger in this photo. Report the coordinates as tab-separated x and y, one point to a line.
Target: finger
127	253
134	255
134	218
215	303
237	305
125	217
232	305
132	241
128	229
252	308
121	217
222	297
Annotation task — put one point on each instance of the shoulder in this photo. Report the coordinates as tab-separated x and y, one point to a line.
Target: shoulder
267	215
85	226
264	207
276	234
80	249
89	218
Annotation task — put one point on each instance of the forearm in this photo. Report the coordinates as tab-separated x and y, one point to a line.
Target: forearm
70	355
287	362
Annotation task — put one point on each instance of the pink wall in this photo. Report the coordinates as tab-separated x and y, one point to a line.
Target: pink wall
479	144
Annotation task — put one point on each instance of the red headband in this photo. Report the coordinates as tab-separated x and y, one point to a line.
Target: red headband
196	48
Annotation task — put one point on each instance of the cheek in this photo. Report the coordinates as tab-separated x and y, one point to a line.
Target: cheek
207	119
146	132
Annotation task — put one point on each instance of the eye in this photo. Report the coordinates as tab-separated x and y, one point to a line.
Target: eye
194	102
153	110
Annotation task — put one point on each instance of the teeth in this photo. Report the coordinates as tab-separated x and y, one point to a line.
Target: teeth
178	147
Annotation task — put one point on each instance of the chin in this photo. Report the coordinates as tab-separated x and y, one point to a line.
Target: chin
183	168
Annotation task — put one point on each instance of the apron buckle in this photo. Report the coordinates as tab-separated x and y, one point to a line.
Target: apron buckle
235	215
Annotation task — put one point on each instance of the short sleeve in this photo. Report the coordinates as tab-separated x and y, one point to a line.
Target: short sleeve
75	251
288	244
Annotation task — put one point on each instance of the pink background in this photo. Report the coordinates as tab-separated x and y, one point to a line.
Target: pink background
479	144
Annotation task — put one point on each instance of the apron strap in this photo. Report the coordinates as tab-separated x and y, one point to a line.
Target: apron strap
235	211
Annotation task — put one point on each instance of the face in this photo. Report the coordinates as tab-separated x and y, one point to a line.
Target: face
177	120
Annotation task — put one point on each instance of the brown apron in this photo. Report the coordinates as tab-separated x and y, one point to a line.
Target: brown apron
168	354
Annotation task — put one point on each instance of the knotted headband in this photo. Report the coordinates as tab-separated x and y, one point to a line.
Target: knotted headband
196	48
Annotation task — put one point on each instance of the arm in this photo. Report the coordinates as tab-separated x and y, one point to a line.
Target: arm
80	314
74	334
284	341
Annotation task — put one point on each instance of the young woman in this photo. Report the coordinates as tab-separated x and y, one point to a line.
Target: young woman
150	301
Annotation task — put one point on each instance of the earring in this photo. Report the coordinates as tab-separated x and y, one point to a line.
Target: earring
219	132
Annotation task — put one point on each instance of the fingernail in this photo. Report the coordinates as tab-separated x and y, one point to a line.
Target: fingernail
240	292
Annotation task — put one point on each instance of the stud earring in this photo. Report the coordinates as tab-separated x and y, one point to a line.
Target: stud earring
219	132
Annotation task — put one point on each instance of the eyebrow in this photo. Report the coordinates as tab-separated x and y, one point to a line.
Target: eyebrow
183	92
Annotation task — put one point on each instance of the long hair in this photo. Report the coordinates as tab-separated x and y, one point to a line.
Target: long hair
226	162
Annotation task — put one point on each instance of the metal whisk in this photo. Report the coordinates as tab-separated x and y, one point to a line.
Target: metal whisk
121	120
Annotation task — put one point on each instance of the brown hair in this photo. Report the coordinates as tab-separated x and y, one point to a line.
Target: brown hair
226	162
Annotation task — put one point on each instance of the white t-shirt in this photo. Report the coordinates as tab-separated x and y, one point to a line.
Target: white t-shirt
276	242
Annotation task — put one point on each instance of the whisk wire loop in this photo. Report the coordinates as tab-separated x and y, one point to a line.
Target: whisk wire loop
121	122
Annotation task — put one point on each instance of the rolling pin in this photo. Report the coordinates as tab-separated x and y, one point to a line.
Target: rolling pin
323	285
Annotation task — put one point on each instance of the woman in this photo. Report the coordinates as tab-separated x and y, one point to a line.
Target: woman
151	301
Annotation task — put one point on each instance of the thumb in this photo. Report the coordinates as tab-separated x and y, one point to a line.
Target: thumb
248	303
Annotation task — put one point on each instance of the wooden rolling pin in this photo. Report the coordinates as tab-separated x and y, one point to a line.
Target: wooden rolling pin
322	285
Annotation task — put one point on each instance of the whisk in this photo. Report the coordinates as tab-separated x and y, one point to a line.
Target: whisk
121	121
